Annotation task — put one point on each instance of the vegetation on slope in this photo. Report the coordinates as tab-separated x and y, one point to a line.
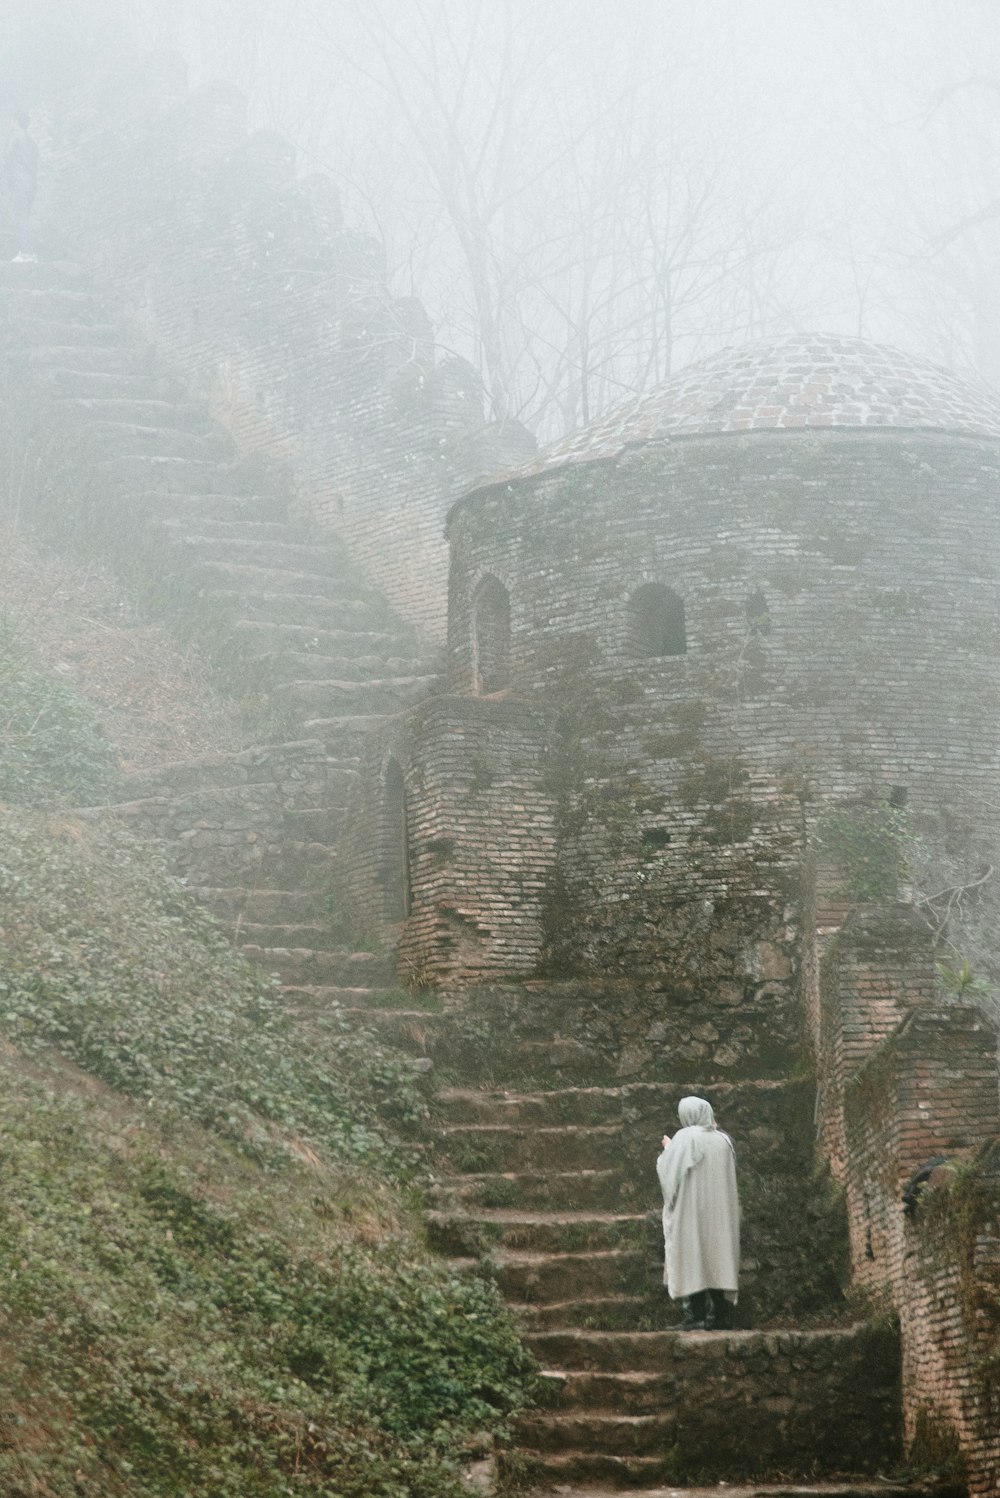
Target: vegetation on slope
212	1281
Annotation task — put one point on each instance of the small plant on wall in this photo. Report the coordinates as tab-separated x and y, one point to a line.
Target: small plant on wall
867	845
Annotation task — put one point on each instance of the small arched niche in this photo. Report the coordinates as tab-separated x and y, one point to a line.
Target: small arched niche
491	636
656	622
395	844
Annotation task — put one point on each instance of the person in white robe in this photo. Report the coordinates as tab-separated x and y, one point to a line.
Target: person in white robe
701	1218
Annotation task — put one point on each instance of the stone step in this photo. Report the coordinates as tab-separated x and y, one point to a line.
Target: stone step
590	1351
278	531
50	303
80	382
304	966
573	1190
408	1029
26	332
738	1404
843	1487
43	275
263	640
772	1120
543	1279
252	581
316	935
330	699
144	472
237	544
163	415
361	1001
605	1432
193	510
279	905
463	1233
88	359
308	609
502	1148
568	1105
346	735
299	666
302	767
127	439
599	1313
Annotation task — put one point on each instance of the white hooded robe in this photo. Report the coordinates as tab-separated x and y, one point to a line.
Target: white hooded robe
701	1209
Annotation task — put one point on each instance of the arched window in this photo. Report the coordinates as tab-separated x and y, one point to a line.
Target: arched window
491	635
656	621
395	844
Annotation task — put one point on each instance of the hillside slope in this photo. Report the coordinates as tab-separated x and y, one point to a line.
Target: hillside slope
212	1274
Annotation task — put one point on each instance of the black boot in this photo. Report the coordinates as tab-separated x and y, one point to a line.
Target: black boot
694	1312
718	1312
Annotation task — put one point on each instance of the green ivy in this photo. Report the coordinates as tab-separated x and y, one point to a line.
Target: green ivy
107	958
51	745
867	845
212	1280
180	1323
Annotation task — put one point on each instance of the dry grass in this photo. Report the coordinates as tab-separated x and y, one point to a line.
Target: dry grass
154	697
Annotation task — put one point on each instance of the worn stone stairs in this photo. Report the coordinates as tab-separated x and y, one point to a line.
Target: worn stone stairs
121	453
555	1191
119	457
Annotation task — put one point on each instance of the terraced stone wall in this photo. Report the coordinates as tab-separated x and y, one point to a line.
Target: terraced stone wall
219	818
245	277
920	1081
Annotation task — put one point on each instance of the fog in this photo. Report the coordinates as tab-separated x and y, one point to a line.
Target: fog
586	197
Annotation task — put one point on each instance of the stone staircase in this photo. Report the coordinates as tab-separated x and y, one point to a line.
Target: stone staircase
552	1189
119	454
115	456
545	1155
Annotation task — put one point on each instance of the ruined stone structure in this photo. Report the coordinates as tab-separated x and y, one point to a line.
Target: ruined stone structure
676	646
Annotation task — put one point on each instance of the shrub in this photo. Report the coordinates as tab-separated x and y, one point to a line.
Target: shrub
51	745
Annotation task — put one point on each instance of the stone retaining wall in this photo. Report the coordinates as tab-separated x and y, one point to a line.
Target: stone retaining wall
220	818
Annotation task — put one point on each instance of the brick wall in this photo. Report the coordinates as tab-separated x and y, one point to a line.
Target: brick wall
913	1080
479	837
840	616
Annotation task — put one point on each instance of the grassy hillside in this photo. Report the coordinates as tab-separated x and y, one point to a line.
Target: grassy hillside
212	1280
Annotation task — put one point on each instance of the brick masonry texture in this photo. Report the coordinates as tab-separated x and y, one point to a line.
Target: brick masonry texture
911	1081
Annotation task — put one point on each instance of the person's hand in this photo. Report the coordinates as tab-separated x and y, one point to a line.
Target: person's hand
666	1140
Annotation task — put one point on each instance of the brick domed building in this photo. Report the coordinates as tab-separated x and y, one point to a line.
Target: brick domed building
771	584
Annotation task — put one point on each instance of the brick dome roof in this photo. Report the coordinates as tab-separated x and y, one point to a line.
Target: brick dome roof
800	381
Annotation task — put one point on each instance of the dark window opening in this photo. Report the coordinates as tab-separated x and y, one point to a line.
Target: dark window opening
491	636
656	837
898	796
758	614
396	845
656	621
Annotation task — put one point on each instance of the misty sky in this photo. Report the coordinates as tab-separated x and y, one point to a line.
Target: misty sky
800	164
